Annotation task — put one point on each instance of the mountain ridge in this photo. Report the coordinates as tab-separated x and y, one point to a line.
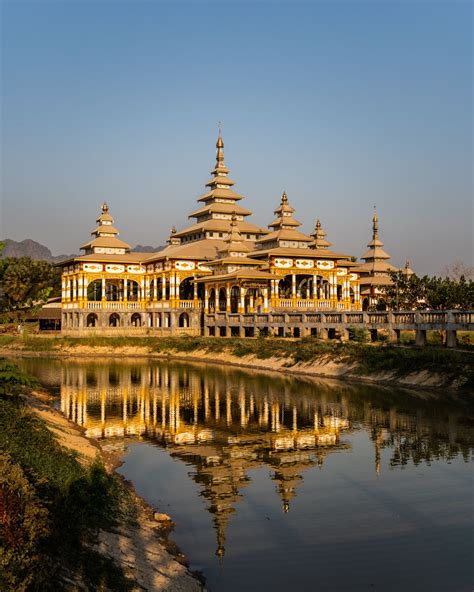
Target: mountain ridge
31	248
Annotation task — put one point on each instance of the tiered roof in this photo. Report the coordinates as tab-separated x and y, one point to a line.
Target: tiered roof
105	234
319	238
213	218
284	232
376	259
375	272
232	261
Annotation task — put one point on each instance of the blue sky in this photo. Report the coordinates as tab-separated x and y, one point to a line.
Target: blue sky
343	104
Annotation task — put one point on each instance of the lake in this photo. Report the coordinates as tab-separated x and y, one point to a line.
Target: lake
279	483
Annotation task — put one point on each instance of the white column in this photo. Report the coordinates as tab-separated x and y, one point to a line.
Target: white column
242	300
172	286
81	287
125	289
176	287
103	288
293	285
206	299
332	287
265	299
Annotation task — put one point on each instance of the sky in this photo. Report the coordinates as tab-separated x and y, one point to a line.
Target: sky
344	105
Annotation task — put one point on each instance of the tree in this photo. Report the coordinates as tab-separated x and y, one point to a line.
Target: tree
25	283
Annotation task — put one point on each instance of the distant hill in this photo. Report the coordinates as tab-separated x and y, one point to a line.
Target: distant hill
30	248
146	249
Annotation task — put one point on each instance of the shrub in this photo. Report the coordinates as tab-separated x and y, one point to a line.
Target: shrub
358	334
24	526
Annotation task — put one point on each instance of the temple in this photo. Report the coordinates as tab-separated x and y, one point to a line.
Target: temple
222	264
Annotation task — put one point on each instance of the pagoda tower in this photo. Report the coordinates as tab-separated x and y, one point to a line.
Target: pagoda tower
283	229
219	204
105	239
319	238
375	271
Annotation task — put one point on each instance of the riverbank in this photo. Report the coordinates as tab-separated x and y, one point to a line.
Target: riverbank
67	520
430	367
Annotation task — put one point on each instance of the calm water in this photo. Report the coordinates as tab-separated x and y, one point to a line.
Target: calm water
278	483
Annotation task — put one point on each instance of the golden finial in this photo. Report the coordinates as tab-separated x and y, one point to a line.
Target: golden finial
407	264
318	224
220	149
286	507
375	224
284	198
173	230
105	208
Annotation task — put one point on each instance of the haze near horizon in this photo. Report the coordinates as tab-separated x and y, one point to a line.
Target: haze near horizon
344	106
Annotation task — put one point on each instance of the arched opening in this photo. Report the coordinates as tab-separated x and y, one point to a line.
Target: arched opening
136	320
113	290
92	320
186	289
212	300
365	303
339	292
114	320
94	290
351	295
284	287
322	288
234	299
200	292
133	290
304	284
183	320
222	300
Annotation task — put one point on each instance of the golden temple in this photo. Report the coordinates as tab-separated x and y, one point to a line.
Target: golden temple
222	263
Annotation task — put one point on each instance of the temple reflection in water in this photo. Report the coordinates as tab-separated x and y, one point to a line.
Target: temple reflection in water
226	422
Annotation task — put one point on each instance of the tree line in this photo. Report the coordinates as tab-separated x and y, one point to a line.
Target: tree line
411	292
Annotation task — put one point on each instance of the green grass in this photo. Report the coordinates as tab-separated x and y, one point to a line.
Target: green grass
53	503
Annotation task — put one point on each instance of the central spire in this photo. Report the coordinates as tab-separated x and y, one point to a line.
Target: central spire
375	225
220	152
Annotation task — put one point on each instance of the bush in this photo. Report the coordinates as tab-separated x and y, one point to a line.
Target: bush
24	526
358	334
12	379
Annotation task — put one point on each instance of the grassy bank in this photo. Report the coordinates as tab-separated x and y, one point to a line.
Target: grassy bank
364	359
51	505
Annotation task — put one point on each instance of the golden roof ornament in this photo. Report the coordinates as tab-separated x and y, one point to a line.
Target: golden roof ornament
105	208
220	151
375	224
284	198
